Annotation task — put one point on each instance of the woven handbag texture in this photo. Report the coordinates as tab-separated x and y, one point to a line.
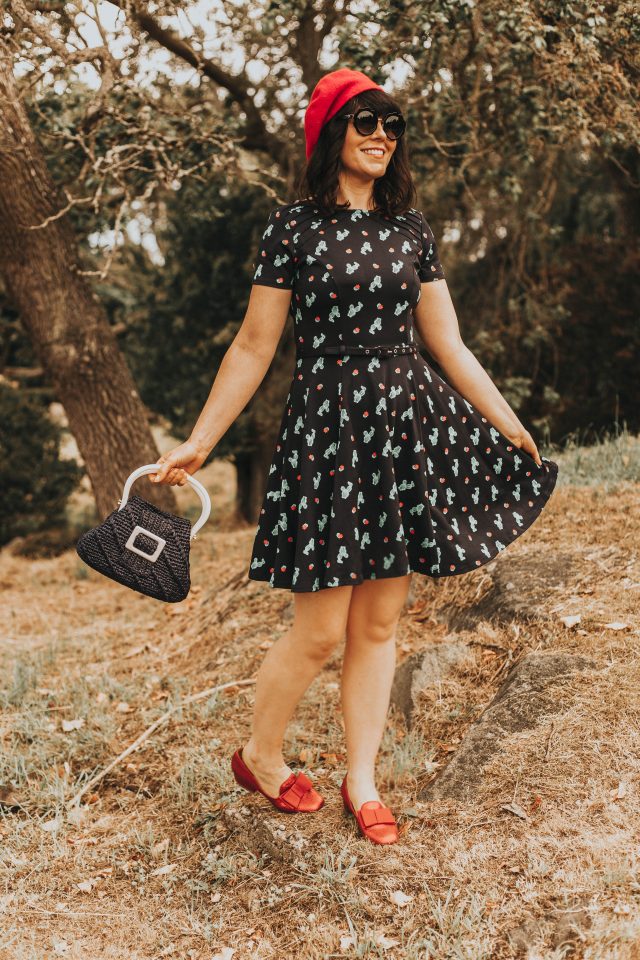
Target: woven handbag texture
168	577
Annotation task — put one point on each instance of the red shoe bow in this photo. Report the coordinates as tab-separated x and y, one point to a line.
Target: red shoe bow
375	821
296	794
370	815
295	788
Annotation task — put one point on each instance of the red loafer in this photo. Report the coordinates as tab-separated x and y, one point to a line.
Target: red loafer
296	794
375	821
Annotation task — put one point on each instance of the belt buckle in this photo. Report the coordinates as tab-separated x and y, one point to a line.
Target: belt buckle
148	556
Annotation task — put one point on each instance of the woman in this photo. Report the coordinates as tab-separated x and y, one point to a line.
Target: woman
381	468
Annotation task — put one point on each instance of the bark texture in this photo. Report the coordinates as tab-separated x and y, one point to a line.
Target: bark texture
64	320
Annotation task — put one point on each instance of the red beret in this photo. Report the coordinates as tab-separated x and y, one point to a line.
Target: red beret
330	93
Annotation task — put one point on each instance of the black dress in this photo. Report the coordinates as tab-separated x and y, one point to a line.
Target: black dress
381	467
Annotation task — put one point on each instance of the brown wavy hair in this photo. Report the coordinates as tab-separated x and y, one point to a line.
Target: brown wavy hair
393	193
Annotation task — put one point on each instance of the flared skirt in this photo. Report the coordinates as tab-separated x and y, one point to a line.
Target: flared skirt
382	468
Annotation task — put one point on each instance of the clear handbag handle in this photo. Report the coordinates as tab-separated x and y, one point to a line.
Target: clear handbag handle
197	486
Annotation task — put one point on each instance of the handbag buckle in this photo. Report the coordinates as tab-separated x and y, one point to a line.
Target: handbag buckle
148	556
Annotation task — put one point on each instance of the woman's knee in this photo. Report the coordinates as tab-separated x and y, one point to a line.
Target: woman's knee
375	609
371	630
320	620
319	643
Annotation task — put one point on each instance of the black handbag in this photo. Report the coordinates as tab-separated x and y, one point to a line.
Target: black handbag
142	546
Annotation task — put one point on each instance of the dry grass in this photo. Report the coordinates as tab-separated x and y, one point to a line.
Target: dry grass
167	857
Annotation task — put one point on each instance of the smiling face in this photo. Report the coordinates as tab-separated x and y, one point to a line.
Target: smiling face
364	159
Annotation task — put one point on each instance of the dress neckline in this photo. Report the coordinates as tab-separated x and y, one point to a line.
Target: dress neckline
342	210
355	210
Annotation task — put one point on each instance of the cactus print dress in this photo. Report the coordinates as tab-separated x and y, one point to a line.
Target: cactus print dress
381	467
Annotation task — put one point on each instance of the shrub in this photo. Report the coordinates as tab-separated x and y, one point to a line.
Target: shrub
35	482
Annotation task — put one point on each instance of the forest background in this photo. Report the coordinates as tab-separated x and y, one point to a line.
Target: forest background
143	146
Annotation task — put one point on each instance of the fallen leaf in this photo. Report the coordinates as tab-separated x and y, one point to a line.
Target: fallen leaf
571	620
135	651
159	871
416	608
399	898
68	725
385	942
516	809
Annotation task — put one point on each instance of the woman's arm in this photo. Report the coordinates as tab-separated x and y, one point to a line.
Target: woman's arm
437	324
241	372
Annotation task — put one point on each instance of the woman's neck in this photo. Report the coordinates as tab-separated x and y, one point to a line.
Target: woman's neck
359	201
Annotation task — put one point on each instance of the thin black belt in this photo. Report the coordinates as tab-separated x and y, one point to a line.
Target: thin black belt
376	350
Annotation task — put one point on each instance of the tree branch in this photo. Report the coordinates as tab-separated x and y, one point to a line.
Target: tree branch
59	47
257	135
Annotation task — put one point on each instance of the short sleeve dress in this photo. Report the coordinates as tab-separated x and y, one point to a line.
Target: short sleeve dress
380	468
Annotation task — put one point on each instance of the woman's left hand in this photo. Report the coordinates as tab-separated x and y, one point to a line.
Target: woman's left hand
524	441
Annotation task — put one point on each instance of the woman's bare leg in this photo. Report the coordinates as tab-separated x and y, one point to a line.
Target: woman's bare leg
367	677
285	673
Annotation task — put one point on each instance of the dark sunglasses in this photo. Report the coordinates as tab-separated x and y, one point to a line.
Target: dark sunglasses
365	121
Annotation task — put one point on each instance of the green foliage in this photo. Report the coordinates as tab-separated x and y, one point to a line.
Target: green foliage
35	482
115	163
523	129
189	308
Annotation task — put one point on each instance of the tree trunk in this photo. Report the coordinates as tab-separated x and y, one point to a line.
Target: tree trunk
267	411
252	471
64	320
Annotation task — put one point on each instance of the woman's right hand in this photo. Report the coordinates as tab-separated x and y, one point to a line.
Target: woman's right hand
177	463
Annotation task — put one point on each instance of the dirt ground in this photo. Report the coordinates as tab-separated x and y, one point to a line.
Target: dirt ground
165	856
